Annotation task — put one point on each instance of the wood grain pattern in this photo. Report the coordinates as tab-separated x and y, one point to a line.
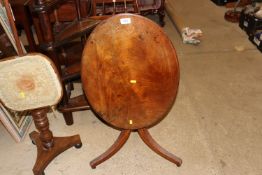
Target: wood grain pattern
130	72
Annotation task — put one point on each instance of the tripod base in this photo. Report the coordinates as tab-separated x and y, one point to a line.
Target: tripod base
45	156
146	137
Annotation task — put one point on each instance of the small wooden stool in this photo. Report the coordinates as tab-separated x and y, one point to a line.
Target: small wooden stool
31	82
130	75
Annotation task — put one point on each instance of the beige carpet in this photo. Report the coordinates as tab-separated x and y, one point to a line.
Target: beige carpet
215	125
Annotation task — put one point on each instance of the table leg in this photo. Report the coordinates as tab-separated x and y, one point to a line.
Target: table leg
121	140
151	143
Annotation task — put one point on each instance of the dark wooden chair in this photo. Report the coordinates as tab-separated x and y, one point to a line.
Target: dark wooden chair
58	23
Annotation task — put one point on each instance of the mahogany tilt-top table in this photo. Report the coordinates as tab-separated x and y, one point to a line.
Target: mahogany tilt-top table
130	75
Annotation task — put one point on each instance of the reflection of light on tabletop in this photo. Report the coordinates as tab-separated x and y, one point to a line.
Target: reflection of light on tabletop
133	81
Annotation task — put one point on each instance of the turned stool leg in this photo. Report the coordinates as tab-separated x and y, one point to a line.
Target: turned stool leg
48	147
42	125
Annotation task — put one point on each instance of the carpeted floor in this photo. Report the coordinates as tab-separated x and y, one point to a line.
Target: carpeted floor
215	125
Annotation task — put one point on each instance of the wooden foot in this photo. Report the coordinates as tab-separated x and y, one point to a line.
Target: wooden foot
68	117
48	147
151	143
121	140
45	156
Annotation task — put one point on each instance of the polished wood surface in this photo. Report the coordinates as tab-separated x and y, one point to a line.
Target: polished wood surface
130	76
130	72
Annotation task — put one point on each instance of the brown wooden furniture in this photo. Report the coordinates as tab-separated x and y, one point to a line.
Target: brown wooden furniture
142	7
109	7
31	83
23	18
55	35
63	12
130	75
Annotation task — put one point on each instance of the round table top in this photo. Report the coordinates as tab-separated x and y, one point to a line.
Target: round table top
130	72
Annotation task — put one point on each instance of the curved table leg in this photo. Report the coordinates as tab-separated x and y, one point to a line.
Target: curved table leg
121	140
151	143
